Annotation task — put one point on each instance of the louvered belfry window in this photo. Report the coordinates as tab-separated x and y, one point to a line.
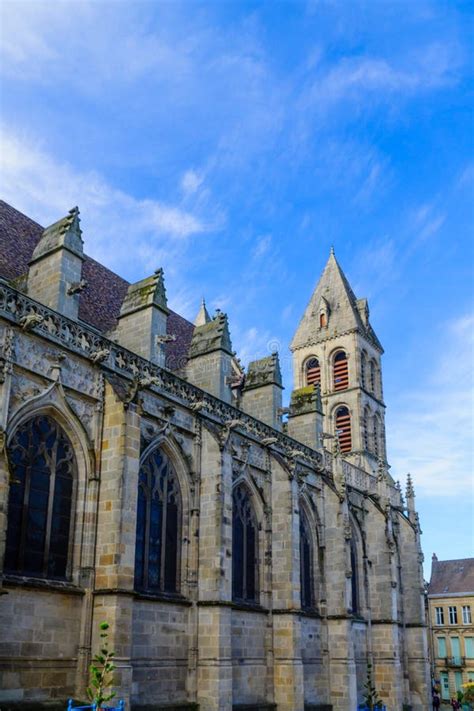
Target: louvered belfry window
42	467
343	429
158	526
313	372
341	371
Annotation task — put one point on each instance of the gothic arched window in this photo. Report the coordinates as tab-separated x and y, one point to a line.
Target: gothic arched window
343	428
366	425
376	436
340	371
313	372
306	563
373	376
42	468
244	547
158	525
323	320
363	368
355	601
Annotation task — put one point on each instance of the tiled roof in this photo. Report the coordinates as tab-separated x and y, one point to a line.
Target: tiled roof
451	576
100	303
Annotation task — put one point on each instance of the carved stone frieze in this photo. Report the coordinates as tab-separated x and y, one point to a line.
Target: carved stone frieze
6	352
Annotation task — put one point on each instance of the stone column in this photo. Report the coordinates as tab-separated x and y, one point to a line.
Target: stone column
214	674
386	642
342	668
116	530
416	638
6	346
286	598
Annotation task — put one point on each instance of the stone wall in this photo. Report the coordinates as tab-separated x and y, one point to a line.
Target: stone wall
201	648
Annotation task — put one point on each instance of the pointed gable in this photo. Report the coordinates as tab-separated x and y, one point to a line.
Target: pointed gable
343	310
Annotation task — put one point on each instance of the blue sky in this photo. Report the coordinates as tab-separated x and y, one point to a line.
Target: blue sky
234	143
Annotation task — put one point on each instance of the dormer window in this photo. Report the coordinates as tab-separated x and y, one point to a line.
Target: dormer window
340	371
323	312
313	372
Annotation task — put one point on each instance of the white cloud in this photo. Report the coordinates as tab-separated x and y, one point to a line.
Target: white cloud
123	232
191	182
431	428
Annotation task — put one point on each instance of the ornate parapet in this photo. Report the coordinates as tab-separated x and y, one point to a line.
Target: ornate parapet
87	342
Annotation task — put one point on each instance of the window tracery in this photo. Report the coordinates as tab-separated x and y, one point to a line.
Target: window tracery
158	525
306	563
244	547
42	467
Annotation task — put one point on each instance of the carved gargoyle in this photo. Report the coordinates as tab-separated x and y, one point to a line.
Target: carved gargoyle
30	321
100	356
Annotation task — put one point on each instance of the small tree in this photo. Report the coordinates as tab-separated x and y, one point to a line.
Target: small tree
371	697
101	671
468	692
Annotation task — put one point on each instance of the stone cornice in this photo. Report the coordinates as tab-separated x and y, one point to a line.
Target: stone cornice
335	337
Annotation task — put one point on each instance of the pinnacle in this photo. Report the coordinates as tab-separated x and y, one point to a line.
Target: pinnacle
203	315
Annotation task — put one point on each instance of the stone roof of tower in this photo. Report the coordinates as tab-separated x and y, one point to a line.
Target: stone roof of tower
451	576
100	302
346	312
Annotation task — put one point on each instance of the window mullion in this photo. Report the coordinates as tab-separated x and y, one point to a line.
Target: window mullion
24	515
244	559
148	499
164	515
52	484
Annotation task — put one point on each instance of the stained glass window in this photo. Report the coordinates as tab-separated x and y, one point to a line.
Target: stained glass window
244	547
158	525
39	509
306	563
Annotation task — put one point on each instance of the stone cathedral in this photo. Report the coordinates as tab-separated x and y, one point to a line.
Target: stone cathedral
246	555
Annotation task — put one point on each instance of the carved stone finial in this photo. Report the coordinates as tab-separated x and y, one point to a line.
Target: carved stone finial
410	491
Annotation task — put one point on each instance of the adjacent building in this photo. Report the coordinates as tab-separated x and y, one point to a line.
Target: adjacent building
450	613
147	479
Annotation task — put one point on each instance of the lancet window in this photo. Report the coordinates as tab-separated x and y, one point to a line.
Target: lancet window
306	563
42	477
244	547
158	525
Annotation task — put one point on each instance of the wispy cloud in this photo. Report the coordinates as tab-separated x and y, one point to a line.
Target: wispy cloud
124	232
430	67
431	428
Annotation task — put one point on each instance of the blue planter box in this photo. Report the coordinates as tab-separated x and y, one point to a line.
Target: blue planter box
93	707
366	708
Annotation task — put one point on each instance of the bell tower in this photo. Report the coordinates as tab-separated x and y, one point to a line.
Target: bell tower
336	350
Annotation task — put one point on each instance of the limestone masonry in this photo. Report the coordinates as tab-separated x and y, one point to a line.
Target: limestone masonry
246	556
